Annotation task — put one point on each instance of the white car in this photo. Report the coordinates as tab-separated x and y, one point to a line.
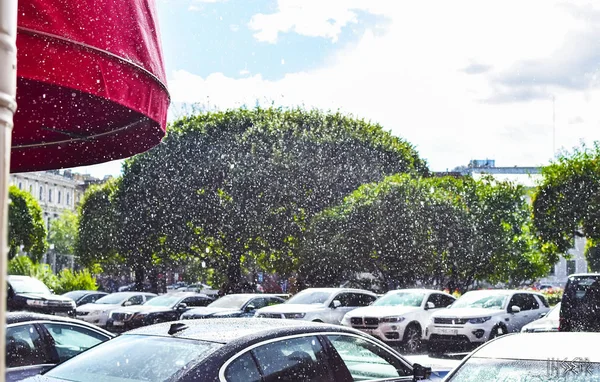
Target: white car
319	305
399	316
479	316
98	312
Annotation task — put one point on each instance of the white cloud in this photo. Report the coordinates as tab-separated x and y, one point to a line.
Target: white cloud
426	77
244	72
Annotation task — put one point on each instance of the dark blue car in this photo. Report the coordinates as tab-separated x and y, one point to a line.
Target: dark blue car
234	305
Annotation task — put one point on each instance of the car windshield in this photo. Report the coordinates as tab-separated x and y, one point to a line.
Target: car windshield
165	300
480	300
400	299
75	294
230	302
578	286
115	298
310	297
29	285
479	369
134	358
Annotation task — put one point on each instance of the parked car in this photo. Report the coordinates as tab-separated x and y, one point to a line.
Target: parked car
163	308
30	294
233	305
240	350
399	316
320	305
199	288
580	304
82	297
36	342
479	316
548	323
540	357
97	313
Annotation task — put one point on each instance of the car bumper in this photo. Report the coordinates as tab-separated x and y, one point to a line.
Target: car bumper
96	320
388	332
458	336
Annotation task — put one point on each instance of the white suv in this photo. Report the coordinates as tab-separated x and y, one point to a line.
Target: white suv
399	316
479	316
319	305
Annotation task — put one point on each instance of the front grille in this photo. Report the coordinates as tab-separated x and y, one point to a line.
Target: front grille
371	321
461	338
392	335
82	313
54	303
120	316
358	321
270	315
449	321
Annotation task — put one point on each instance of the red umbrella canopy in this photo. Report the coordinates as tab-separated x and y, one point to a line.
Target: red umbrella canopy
91	82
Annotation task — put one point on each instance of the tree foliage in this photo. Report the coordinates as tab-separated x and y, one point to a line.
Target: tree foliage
236	188
25	225
63	233
437	231
567	202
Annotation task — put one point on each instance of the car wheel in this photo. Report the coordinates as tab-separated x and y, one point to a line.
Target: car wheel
497	331
412	339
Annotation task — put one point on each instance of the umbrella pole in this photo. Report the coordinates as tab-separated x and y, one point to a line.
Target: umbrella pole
8	106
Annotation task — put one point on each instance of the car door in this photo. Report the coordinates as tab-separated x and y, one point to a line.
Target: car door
357	359
298	358
68	340
532	309
27	353
335	314
517	320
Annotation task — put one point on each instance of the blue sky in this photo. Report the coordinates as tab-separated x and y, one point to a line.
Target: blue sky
449	77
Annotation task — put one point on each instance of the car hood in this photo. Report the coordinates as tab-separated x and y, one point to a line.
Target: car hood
208	311
142	309
381	311
52	297
543	323
291	308
97	307
468	312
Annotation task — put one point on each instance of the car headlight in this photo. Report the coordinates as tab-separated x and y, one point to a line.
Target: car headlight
479	320
294	315
37	302
392	319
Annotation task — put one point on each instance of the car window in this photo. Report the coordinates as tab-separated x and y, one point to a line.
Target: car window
90	298
517	300
530	302
274	301
24	347
365	360
344	298
543	300
361	299
445	300
243	369
295	359
196	301
70	340
258	302
136	300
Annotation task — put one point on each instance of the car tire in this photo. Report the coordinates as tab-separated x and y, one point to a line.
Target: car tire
497	331
412	340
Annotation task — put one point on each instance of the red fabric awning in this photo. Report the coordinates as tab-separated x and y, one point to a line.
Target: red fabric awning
91	82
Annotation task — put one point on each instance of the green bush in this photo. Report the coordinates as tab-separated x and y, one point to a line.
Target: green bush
82	280
65	281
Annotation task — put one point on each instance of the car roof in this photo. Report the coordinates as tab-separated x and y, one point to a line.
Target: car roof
19	277
584	275
225	330
542	346
502	291
423	290
20	317
125	294
340	290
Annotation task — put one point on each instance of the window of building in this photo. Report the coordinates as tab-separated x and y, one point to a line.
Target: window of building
31	189
552	271
20	186
41	193
58	199
50	195
68	199
571	267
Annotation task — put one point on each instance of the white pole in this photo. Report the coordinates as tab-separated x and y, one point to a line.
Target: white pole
8	106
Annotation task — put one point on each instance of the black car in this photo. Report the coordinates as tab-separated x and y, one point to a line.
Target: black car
240	349
167	307
580	304
82	297
36	342
29	294
234	305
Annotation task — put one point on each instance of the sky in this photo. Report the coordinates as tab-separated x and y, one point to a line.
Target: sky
512	81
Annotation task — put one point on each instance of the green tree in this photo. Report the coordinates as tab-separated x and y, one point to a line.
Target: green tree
63	233
242	184
25	225
567	202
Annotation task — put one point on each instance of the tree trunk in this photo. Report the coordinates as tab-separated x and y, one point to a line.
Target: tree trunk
140	276
234	275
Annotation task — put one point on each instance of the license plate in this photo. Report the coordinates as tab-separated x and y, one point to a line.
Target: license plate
451	332
118	323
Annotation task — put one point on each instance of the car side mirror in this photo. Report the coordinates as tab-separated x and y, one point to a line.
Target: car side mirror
420	372
336	304
181	306
542	315
250	308
429	305
515	309
127	303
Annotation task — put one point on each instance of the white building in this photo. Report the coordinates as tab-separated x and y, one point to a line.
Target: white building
55	192
529	177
